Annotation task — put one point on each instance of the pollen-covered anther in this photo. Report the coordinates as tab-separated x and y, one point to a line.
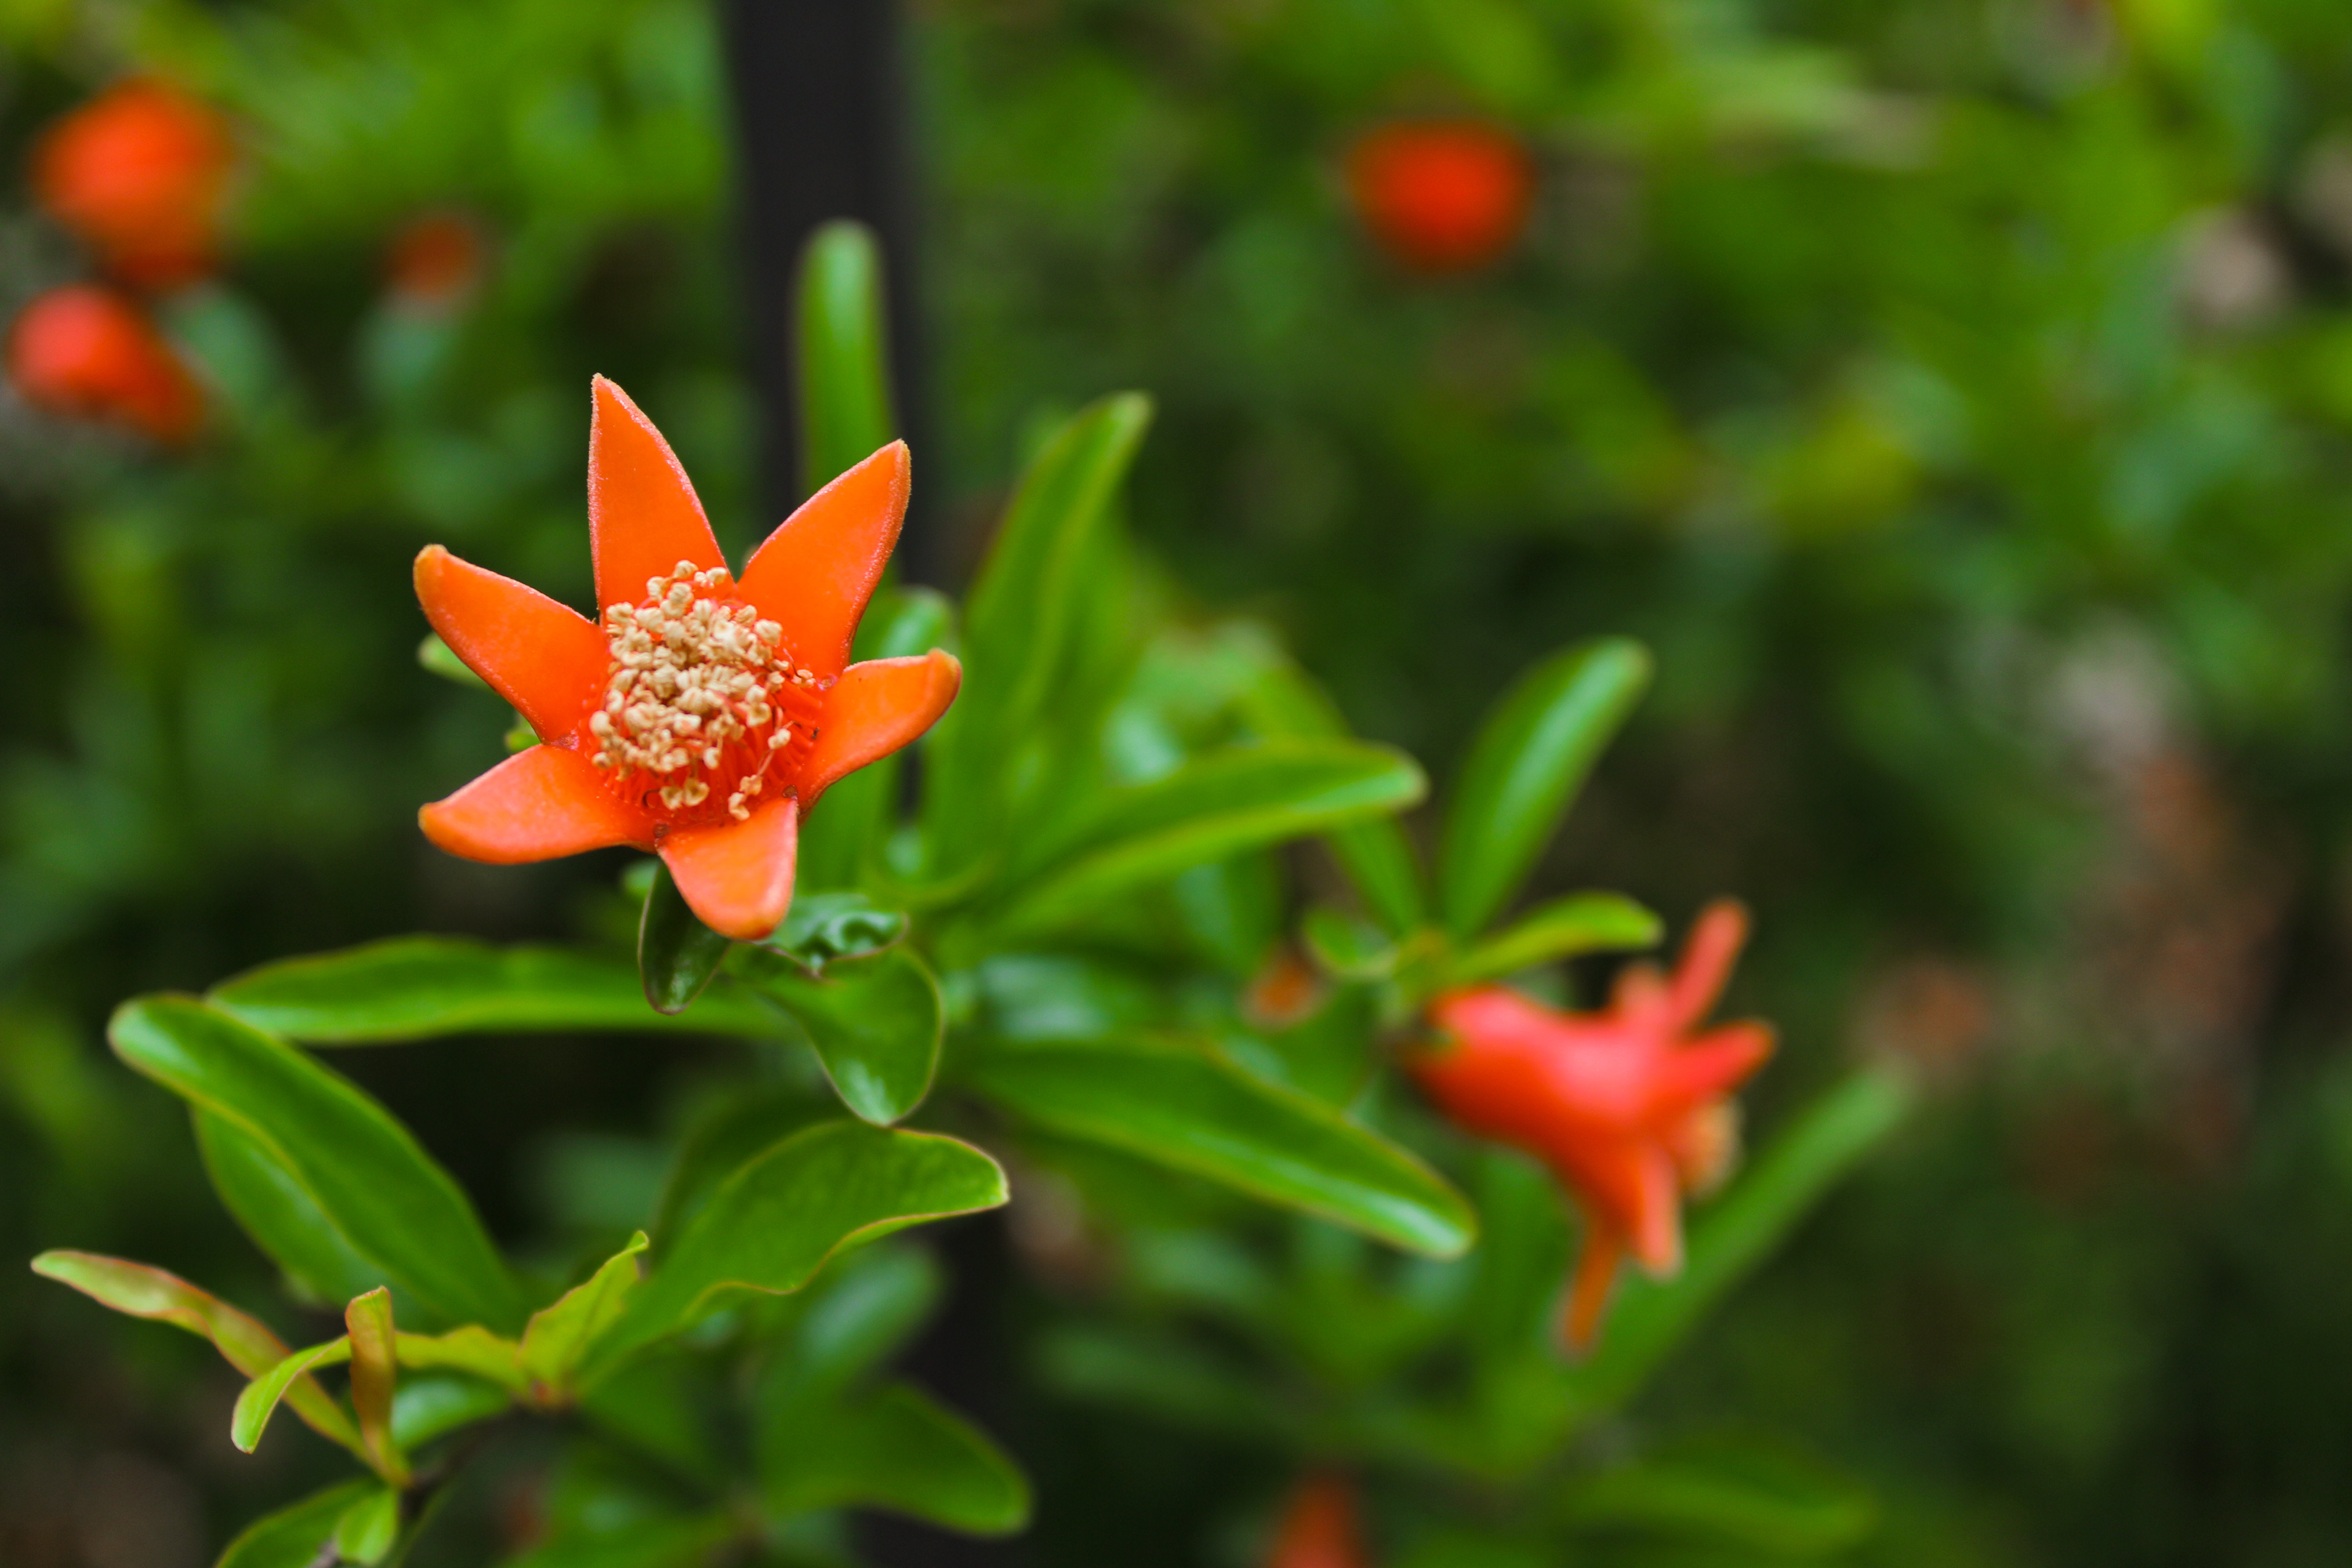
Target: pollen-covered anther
695	697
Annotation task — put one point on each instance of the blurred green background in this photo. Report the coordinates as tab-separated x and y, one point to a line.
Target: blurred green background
1957	395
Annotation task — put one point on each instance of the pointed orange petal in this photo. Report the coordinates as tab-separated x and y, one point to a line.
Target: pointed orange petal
815	572
875	709
1319	1527
1657	1217
738	877
1708	954
1710	1067
538	805
541	656
1588	1293
643	516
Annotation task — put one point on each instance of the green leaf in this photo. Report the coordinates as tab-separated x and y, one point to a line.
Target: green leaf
1524	771
649	1543
1763	1499
472	1349
838	843
266	1197
259	1400
896	1449
723	1143
677	953
291	1537
375	1377
412	988
370	1182
246	1344
1579	923
1187	1108
876	1024
1347	947
1737	1233
844	389
822	927
367	1532
436	1403
874	1301
775	1222
1247	797
559	1337
441	659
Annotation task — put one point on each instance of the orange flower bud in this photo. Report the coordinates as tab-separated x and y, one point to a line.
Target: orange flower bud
1319	1528
435	261
139	173
86	352
1442	196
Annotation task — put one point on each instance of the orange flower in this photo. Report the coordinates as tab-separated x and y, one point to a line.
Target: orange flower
1627	1106
1319	1528
705	714
1442	196
139	173
87	352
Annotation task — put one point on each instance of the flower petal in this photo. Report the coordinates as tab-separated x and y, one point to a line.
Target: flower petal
643	516
875	709
1709	1067
1708	954
539	804
542	656
738	877
814	573
1596	1275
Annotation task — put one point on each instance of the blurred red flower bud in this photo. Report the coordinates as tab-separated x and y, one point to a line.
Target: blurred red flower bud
435	261
139	173
1442	196
1319	1528
87	352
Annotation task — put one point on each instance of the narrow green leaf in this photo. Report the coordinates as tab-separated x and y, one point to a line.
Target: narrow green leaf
1739	1231
839	843
559	1337
367	1532
259	1400
245	1342
415	987
1524	771
472	1349
1248	797
775	1222
898	1449
375	1377
1347	947
682	1542
441	659
1579	923
876	1024
1187	1108
291	1537
387	1199
1765	1499
677	953
279	1212
844	358
435	1404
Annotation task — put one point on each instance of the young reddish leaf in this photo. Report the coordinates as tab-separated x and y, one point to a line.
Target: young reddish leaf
142	1291
375	1375
258	1403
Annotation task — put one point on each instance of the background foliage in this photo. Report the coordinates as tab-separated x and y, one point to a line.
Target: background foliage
1951	393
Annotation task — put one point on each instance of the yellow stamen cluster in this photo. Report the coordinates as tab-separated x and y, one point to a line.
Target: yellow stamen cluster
698	694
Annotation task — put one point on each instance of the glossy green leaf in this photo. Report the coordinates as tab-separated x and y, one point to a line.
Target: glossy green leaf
472	1349
1347	947
260	1398
245	1342
681	1543
375	1378
872	1302
368	1179
822	927
1185	1107
367	1532
774	1223
279	1212
1579	923
1247	797
1524	771
1737	1233
678	955
291	1537
876	1024
412	988
844	357
1765	1499
896	1449
431	1406
722	1144
559	1337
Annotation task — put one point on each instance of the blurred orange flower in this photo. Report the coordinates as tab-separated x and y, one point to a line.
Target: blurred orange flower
1319	1528
435	260
704	714
139	173
86	352
1442	196
1628	1106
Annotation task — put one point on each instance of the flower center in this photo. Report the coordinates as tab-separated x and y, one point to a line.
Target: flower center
704	707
